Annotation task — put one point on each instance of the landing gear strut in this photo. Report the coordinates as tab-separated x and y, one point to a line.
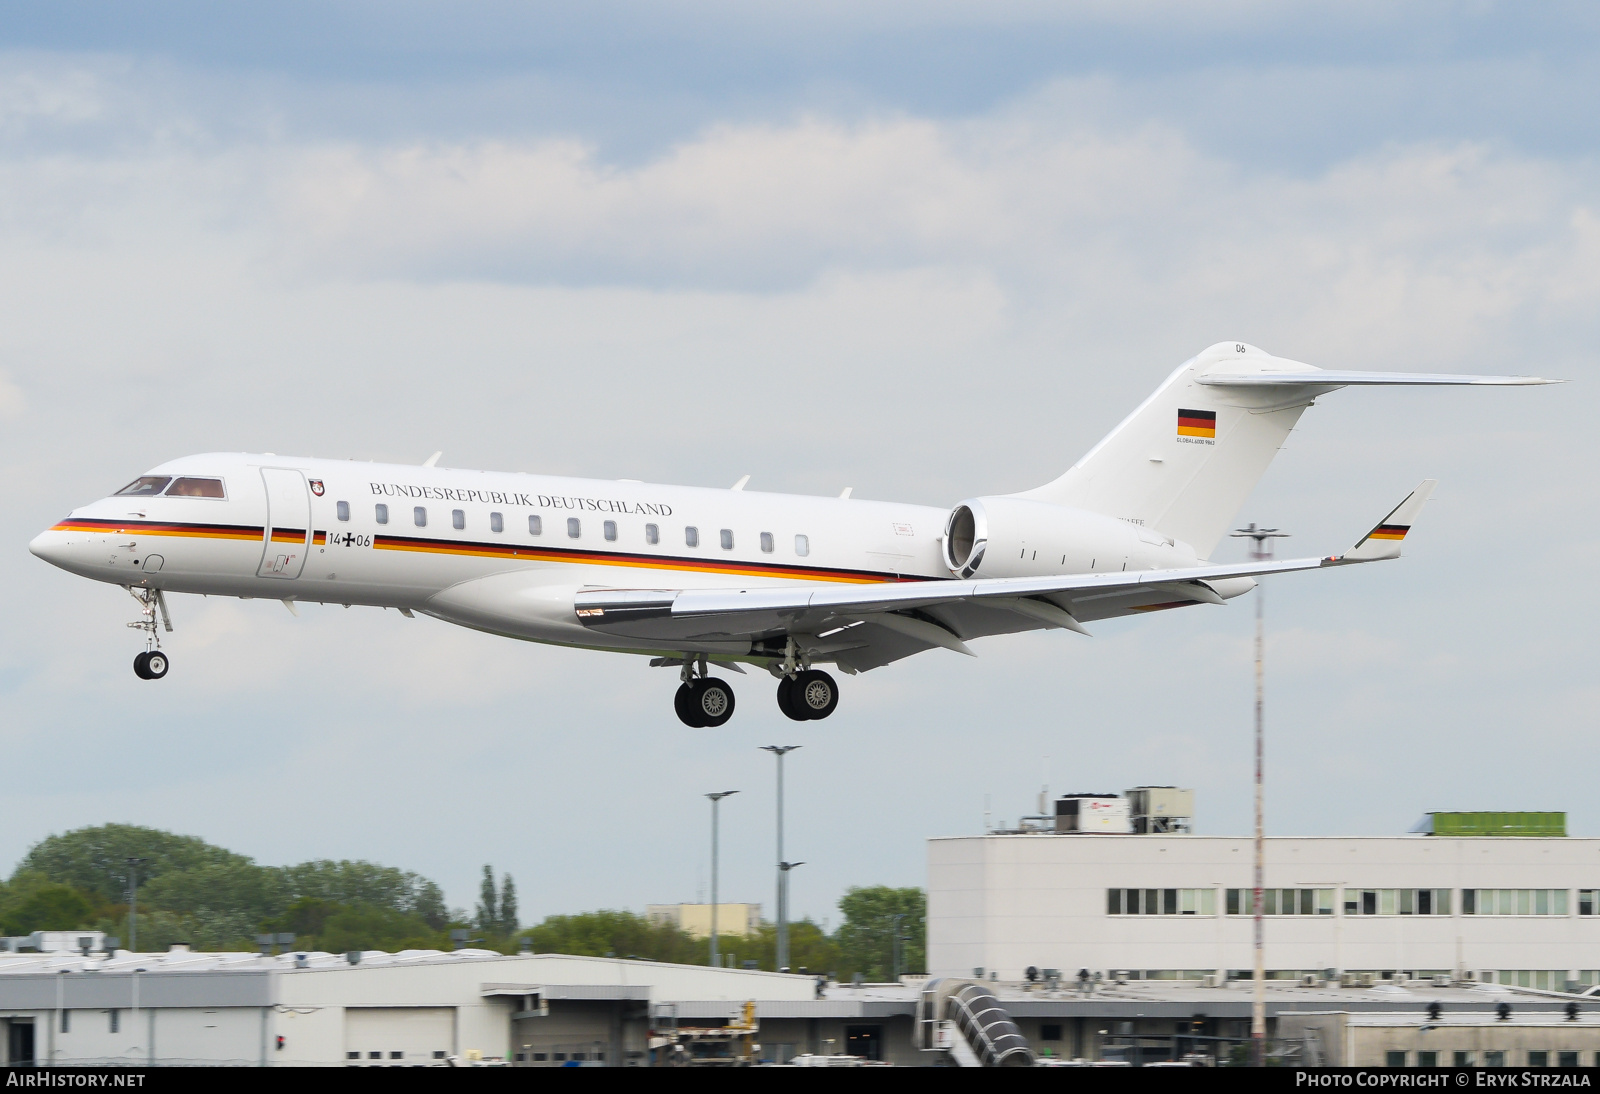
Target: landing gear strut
152	664
702	702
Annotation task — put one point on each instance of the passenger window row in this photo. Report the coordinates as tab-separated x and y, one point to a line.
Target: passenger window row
608	529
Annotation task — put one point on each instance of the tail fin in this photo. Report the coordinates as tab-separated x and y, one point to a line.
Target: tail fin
1186	459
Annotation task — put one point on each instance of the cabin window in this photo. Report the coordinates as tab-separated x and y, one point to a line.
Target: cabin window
691	536
458	519
610	529
727	539
652	534
497	523
574	527
766	542
380	513
802	545
419	516
535	525
144	488
196	488
343	509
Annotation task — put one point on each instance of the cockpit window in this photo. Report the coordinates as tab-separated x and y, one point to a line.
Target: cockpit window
146	487
196	488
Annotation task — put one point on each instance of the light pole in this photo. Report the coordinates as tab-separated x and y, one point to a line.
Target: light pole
716	800
894	944
1260	550
782	961
133	902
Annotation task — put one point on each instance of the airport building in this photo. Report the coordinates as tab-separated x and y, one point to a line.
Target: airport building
1086	890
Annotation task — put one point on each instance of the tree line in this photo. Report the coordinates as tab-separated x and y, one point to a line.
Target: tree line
214	899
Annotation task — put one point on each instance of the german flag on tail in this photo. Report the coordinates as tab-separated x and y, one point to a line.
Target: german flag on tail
1198	423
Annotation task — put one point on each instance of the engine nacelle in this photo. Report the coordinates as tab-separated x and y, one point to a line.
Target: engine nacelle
1014	537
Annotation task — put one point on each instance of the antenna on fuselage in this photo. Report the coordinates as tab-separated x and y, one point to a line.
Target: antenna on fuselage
845	493
432	460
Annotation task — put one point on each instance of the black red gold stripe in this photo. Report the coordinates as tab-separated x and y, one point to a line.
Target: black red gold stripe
539	553
165	528
1389	531
1197	423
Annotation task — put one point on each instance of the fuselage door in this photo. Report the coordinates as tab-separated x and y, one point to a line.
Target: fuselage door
288	530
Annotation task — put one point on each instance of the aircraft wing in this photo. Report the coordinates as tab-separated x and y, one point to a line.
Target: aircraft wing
862	626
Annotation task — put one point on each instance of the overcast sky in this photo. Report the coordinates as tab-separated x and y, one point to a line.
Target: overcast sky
927	250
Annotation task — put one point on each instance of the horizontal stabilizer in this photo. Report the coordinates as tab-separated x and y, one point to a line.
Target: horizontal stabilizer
1386	537
1331	378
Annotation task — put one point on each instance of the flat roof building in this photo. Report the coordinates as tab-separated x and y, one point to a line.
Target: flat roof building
1512	910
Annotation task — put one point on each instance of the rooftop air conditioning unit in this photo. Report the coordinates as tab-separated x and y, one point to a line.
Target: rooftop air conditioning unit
1441	981
1366	979
1347	980
1212	980
1309	980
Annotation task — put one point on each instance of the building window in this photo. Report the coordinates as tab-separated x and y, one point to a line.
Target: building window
1586	901
652	534
1161	902
374	1055
1513	902
397	1055
727	539
574	528
1282	902
1566	1059
352	1055
1394	1059
1494	1057
802	545
342	509
767	544
116	1020
609	529
439	1054
1538	1058
1053	1033
380	513
1427	1059
535	524
497	523
458	519
419	517
1397	902
66	1021
691	536
1460	1059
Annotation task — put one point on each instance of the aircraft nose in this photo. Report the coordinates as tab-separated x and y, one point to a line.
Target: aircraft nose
51	546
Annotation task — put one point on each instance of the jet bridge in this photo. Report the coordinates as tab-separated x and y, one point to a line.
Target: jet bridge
963	1018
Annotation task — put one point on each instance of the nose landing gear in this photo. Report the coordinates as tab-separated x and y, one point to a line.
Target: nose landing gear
152	664
702	702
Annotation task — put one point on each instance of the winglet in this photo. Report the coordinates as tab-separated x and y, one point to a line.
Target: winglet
1385	538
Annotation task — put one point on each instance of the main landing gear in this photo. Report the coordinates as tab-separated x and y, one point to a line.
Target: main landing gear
152	664
702	702
808	695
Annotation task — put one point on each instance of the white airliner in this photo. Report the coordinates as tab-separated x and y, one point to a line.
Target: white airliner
695	577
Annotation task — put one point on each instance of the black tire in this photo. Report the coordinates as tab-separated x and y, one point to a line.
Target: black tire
138	666
786	700
713	702
156	665
815	694
683	704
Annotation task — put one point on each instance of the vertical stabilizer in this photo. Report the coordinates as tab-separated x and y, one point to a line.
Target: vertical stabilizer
1186	459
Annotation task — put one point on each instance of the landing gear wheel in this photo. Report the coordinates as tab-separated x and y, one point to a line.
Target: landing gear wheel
713	701
139	669
814	694
683	703
789	700
155	665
